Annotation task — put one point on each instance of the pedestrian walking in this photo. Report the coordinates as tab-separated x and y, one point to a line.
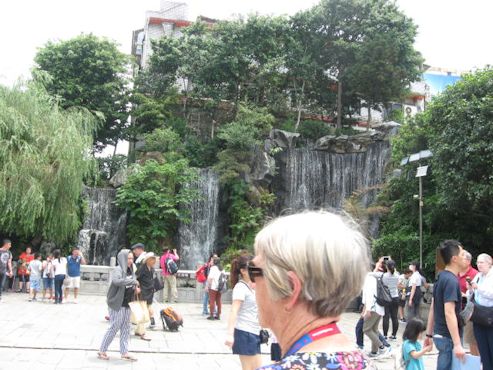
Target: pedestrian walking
74	261
5	263
215	304
169	268
48	277
482	288
60	268
123	287
391	278
243	327
145	277
412	350
443	320
35	270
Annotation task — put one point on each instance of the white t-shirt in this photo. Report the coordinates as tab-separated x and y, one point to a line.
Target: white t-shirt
60	266
213	276
247	319
370	292
415	279
35	268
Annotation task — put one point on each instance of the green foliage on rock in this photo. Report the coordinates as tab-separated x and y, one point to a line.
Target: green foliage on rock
154	196
44	157
88	71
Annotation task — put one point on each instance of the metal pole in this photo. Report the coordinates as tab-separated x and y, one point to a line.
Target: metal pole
421	222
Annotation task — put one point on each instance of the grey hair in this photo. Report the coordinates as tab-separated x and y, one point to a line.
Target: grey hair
486	257
327	253
467	256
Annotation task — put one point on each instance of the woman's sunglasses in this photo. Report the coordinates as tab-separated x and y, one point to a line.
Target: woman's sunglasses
254	271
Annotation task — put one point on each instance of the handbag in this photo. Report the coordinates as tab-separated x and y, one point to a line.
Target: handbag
482	315
139	311
264	336
158	284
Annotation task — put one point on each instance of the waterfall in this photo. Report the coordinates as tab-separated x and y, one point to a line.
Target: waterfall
103	231
198	237
310	179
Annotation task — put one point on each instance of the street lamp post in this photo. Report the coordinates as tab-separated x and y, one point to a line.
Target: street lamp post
420	173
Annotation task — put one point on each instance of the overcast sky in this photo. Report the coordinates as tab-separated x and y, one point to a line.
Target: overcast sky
454	34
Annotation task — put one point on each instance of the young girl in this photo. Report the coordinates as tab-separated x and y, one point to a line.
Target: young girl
412	351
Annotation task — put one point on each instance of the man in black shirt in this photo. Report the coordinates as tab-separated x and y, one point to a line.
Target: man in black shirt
443	319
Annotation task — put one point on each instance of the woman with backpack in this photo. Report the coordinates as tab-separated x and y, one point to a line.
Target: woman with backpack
213	285
391	278
243	327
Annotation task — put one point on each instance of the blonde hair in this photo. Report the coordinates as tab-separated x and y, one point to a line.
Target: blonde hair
486	258
327	253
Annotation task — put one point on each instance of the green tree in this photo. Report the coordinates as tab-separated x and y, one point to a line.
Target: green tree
348	30
458	190
154	196
43	161
89	72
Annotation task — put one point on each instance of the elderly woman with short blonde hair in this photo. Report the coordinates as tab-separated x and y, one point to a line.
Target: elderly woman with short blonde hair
482	286
308	267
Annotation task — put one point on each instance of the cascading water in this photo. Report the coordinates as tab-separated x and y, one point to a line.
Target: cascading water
310	179
198	237
103	230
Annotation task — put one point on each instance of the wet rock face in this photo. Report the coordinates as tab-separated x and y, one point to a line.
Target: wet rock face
312	179
348	144
104	230
198	238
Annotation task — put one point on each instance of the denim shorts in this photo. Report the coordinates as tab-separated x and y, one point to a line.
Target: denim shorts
36	284
48	283
246	344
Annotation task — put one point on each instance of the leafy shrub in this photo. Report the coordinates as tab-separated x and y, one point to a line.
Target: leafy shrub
313	130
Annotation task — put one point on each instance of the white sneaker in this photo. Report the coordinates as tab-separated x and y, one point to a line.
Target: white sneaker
385	352
75	301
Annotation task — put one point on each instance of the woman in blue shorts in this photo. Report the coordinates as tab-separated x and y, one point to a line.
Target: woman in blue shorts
243	327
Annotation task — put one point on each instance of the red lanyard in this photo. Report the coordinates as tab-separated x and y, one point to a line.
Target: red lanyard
314	335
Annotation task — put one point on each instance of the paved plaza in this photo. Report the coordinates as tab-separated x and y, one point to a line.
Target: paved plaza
44	336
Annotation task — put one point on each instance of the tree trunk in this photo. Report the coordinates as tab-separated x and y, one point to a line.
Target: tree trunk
300	102
339	104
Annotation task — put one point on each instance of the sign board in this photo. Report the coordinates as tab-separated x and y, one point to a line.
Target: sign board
422	170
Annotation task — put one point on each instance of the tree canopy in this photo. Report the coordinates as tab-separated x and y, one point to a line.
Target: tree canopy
44	157
88	71
458	191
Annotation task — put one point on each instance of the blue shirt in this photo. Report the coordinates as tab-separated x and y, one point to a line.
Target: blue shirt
446	289
73	266
412	363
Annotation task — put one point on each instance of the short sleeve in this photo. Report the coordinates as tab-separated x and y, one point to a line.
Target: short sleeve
450	291
407	348
239	292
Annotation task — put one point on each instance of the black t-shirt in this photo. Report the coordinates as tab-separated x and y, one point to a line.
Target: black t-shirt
446	289
129	291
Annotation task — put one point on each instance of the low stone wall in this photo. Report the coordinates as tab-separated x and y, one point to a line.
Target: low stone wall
95	281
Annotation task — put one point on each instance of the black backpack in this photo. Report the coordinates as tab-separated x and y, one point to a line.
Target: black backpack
383	296
222	285
171	266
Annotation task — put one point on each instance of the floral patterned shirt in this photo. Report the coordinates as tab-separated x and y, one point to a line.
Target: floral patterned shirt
321	360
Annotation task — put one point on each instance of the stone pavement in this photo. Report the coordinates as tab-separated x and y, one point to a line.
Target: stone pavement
35	335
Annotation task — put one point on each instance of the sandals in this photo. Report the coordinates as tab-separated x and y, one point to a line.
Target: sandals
143	337
103	356
127	357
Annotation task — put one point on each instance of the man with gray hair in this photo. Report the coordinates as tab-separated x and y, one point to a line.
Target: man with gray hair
466	276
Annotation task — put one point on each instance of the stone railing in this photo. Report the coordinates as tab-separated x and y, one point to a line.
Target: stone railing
95	281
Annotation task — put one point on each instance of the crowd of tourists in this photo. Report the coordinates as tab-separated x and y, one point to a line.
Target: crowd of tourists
306	270
46	280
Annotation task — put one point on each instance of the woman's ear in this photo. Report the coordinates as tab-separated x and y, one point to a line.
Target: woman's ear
296	286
